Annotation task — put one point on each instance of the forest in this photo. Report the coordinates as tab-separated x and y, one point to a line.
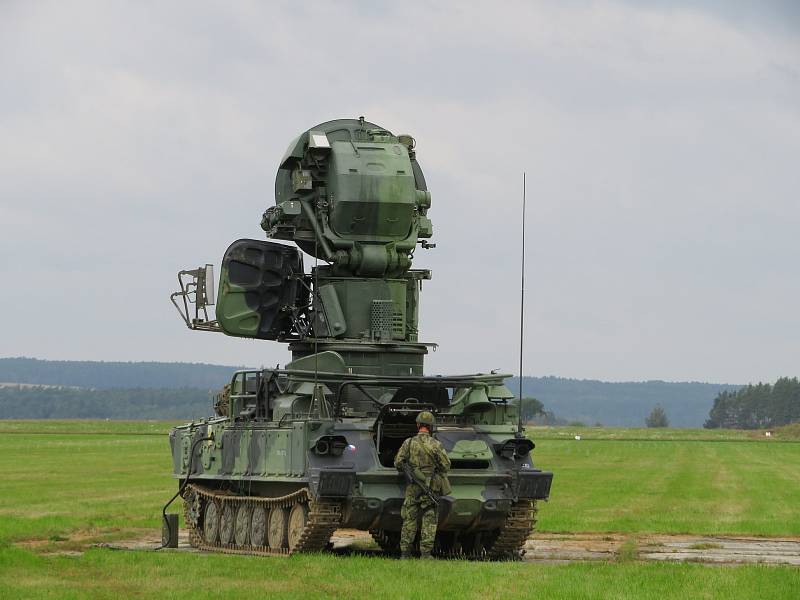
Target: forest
46	402
153	390
758	406
102	374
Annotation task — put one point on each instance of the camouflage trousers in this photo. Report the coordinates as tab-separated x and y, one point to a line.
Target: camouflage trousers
418	511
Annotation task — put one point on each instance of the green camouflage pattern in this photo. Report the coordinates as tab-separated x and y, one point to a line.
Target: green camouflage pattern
277	453
430	464
418	512
352	193
426	418
335	422
428	458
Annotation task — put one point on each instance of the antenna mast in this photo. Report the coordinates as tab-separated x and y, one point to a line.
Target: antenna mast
522	307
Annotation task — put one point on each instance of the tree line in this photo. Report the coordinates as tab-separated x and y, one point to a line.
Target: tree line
102	374
757	406
622	404
59	402
40	402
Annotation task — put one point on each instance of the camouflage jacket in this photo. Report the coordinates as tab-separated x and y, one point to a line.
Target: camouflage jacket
427	456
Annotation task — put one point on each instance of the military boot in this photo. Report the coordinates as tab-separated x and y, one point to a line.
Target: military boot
405	555
425	556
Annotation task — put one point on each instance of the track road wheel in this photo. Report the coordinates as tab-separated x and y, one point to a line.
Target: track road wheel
258	526
445	542
389	541
471	544
242	529
277	529
211	523
298	518
227	522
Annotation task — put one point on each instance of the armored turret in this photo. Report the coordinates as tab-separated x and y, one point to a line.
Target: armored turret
352	195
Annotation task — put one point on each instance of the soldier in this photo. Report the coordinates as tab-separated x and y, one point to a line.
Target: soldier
429	465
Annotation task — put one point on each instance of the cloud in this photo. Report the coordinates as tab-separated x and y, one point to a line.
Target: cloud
659	144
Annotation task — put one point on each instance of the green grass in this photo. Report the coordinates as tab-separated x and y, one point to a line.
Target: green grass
99	484
740	487
108	574
706	546
85	487
115	481
86	426
788	433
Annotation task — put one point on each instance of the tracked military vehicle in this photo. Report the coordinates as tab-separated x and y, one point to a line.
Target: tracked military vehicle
294	453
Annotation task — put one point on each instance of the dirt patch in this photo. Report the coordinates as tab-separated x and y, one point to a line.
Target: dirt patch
678	548
571	547
150	541
75	543
542	547
784	551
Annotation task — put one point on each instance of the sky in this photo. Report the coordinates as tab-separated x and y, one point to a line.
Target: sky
660	142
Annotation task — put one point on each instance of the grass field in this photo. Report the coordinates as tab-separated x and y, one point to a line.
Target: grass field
108	574
74	484
788	433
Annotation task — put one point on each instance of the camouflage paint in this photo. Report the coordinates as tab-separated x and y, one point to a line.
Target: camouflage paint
352	194
254	457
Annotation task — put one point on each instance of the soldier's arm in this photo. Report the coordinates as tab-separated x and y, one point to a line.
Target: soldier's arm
402	455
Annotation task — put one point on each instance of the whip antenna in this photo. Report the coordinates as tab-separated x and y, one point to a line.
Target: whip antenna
522	306
318	302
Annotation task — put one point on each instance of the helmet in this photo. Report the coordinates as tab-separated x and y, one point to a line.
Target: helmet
426	418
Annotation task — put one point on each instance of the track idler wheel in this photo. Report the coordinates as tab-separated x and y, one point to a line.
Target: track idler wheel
194	509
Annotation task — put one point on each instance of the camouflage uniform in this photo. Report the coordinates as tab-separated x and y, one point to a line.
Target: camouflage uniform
429	460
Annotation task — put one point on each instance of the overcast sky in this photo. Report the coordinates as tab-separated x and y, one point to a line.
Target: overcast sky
661	142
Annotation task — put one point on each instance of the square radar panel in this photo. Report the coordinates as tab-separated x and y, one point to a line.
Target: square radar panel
318	139
259	288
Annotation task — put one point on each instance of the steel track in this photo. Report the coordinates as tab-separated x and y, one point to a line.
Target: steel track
324	518
508	545
518	527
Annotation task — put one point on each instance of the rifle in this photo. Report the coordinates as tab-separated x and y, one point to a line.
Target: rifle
412	478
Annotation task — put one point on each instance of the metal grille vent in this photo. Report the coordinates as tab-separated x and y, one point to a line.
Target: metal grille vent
382	319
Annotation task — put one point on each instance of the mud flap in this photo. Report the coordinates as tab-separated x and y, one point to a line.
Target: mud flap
335	483
535	485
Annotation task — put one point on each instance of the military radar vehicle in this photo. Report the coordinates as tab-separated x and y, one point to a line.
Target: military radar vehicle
294	453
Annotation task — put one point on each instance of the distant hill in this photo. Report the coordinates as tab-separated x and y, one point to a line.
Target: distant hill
104	375
143	390
35	402
623	404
